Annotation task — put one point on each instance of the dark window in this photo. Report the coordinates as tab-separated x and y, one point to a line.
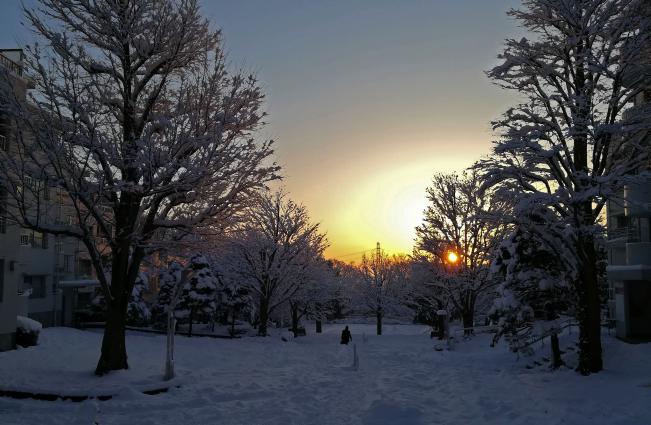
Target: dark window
85	268
37	285
37	240
67	263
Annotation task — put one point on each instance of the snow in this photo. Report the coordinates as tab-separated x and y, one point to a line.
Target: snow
310	380
27	324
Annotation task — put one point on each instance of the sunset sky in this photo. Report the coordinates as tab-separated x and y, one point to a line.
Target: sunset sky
366	100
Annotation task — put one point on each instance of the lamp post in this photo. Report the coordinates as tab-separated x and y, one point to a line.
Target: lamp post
171	324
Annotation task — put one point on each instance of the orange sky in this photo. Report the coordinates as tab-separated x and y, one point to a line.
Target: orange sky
366	99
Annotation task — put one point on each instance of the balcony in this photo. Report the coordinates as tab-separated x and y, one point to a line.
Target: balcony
638	253
638	200
12	66
637	114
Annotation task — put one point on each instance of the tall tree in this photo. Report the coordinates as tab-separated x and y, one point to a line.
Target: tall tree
565	146
137	121
462	228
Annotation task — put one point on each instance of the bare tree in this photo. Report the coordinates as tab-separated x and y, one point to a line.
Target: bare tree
383	287
565	146
462	228
138	123
274	252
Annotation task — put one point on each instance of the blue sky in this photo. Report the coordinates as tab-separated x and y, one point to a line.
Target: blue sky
366	99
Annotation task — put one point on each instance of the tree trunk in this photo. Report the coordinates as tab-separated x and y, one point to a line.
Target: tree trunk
318	326
233	324
114	350
191	318
468	318
556	352
379	322
264	316
294	309
589	311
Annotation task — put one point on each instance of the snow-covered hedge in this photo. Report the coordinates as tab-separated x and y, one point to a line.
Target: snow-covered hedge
27	331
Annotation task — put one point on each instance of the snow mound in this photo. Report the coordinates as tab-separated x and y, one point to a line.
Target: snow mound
28	325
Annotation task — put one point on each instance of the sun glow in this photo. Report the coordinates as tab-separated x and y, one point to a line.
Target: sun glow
385	208
452	257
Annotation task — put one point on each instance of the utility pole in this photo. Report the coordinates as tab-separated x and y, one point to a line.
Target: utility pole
379	312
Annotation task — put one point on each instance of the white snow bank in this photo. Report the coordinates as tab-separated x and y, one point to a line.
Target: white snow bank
309	380
28	325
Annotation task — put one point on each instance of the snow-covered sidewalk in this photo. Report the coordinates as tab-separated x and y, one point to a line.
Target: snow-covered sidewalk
401	380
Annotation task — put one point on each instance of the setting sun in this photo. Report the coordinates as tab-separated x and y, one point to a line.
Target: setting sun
452	257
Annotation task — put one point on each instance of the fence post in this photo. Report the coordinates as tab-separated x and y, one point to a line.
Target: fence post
355	358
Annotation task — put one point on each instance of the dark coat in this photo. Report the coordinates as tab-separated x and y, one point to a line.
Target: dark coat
346	337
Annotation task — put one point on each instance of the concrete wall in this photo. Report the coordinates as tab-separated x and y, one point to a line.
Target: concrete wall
8	307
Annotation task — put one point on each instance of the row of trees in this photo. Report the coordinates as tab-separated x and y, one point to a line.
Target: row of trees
535	206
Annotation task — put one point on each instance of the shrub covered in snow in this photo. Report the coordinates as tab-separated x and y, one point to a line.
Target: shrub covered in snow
27	331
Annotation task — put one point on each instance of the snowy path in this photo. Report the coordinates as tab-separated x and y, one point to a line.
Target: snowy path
401	380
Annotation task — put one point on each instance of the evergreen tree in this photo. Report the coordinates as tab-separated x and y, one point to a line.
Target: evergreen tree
168	279
199	293
138	311
235	298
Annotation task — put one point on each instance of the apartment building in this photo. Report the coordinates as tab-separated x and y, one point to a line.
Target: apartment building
629	228
33	265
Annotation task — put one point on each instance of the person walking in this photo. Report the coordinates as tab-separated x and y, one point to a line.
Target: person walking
346	337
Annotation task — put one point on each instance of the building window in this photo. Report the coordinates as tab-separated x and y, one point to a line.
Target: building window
58	246
85	268
44	242
4	145
24	239
37	285
60	196
67	263
37	239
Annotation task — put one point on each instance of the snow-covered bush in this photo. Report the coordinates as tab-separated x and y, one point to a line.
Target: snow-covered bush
27	331
138	311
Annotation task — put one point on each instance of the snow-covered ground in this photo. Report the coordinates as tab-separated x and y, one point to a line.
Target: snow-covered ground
401	380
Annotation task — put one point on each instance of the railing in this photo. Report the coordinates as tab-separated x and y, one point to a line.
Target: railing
11	65
628	234
528	338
